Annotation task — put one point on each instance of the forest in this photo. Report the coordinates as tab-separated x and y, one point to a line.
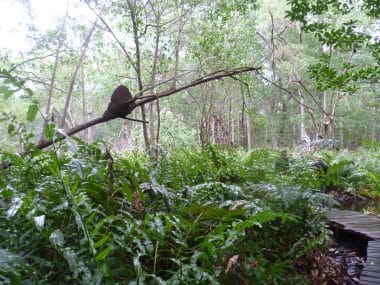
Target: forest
187	141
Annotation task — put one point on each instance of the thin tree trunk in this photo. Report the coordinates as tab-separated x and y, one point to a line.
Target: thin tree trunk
230	127
136	37
374	128
248	131
52	80
304	137
341	134
154	140
178	47
84	103
274	142
74	75
325	118
243	128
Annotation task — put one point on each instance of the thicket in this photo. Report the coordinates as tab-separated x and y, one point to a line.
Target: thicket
80	214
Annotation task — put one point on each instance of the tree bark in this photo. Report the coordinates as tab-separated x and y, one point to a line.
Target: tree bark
74	75
137	101
136	36
52	80
154	139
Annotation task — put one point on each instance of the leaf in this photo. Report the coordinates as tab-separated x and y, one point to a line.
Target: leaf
40	222
104	253
32	112
102	240
11	128
16	204
6	92
29	91
49	131
57	238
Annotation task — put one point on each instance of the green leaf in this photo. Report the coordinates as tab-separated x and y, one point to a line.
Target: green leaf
6	92
32	112
29	91
49	131
102	240
11	128
104	253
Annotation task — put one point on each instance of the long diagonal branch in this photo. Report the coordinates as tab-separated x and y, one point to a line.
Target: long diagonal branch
139	101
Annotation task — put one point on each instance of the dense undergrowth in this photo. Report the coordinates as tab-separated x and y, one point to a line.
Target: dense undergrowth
82	215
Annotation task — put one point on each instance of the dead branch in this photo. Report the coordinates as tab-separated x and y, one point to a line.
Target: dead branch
122	104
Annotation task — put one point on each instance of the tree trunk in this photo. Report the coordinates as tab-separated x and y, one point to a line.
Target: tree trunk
153	138
136	37
248	131
52	80
304	137
230	127
74	75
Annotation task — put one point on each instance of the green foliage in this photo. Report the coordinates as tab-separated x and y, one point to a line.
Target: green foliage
353	172
11	84
32	112
338	36
77	216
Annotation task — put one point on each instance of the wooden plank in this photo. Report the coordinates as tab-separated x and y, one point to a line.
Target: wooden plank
345	213
373	226
374	280
370	274
341	212
373	254
363	220
371	268
348	218
366	225
364	281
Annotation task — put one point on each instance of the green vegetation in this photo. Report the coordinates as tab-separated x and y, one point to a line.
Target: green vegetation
244	120
210	217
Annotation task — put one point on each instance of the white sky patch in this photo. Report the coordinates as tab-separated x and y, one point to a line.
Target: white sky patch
12	29
47	12
13	18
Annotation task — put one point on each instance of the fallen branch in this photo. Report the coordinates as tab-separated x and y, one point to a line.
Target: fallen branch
123	103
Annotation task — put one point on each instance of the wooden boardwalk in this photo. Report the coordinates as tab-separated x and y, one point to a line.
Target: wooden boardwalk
369	226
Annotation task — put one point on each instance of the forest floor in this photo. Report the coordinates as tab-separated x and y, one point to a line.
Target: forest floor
350	262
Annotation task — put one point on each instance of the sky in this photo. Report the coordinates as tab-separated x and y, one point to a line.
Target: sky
12	20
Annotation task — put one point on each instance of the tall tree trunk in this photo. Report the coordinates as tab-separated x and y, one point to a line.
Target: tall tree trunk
178	46
375	127
304	137
136	36
248	132
230	127
52	80
243	127
74	75
325	118
154	139
277	92
341	135
213	130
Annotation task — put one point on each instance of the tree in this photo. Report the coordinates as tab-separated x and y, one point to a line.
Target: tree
343	38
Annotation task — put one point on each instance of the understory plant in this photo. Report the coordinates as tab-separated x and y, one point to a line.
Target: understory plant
81	214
